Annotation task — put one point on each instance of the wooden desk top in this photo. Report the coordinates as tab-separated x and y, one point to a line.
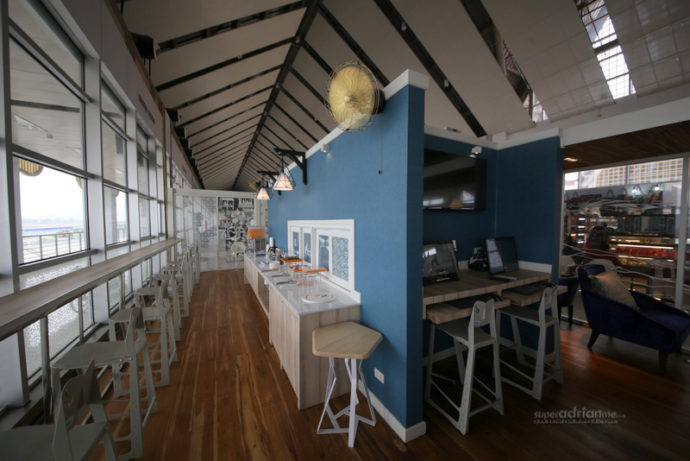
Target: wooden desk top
474	283
24	307
345	340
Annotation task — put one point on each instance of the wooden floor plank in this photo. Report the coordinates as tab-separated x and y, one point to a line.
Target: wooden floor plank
229	399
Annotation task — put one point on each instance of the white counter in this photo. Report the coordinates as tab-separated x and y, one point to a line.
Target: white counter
291	322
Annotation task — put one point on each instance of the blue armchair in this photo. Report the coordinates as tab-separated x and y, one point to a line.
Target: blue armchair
655	324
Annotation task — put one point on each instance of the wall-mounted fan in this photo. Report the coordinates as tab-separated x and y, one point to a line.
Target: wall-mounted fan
354	96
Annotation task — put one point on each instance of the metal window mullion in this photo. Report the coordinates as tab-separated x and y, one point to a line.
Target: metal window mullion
45	366
29	154
108	121
682	232
46	61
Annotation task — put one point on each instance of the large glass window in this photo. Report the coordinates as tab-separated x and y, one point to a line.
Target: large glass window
144	222
112	108
143	174
628	215
52	212
46	116
115	205
36	23
114	158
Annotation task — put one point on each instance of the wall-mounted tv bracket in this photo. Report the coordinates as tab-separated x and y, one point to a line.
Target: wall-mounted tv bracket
300	159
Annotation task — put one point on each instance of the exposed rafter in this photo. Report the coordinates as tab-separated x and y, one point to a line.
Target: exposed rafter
220	65
405	31
209	32
305	24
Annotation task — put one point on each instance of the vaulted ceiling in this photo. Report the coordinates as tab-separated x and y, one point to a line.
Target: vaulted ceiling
242	78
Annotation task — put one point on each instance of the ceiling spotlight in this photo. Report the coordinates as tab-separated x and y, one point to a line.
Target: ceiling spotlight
476	150
325	147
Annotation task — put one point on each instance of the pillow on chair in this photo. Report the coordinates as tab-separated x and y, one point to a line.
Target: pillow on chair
609	285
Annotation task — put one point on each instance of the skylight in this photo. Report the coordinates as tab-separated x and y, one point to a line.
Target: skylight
602	34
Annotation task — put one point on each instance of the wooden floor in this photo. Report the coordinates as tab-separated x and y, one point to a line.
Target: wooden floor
229	399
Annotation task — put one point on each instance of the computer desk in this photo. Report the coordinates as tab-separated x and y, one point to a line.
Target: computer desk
475	283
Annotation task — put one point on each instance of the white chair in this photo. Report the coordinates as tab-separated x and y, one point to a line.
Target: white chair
116	354
196	263
64	440
174	299
184	276
546	366
468	334
159	311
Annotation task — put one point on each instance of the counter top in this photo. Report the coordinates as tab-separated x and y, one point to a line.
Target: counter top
293	294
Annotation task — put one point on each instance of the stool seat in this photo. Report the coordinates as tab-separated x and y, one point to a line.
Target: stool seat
345	340
459	328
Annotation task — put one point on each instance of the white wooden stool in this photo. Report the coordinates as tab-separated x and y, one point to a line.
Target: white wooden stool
353	343
115	354
543	321
159	311
467	333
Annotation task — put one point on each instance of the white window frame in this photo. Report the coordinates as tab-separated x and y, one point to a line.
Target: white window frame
344	228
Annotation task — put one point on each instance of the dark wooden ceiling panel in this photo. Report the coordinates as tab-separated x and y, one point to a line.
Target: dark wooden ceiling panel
649	143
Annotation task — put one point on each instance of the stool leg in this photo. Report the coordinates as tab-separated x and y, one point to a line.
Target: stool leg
460	360
135	426
372	421
517	341
466	400
330	385
171	338
558	372
352	432
498	387
165	359
539	366
117	376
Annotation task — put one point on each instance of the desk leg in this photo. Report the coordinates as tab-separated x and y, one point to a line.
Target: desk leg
430	362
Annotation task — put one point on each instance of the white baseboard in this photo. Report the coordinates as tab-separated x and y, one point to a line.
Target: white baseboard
406	434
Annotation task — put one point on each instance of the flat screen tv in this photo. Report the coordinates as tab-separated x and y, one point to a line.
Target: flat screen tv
502	254
453	182
439	262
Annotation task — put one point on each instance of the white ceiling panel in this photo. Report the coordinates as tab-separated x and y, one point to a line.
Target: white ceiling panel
448	33
308	100
328	43
550	43
242	128
168	19
279	136
229	96
220	78
223	114
302	117
207	52
312	72
292	128
652	35
233	111
382	43
230	143
221	131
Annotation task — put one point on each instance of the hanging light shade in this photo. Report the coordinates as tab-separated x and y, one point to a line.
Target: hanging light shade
284	182
263	194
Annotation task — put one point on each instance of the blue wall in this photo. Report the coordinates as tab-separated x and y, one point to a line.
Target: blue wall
529	200
386	207
467	228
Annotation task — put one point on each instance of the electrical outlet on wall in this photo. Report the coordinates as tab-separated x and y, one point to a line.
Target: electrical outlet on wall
378	375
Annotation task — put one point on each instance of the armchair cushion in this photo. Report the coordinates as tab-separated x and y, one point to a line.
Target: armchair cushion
609	285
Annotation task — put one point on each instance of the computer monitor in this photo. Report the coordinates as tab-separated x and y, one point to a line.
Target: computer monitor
439	262
502	254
